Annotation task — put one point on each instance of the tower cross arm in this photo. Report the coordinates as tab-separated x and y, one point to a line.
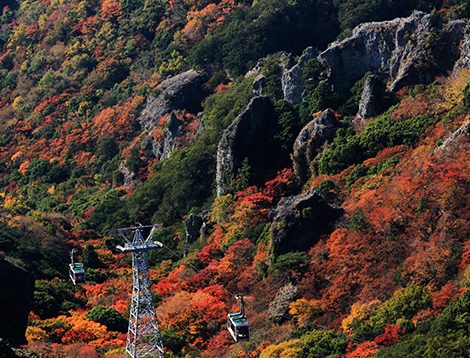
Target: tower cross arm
147	246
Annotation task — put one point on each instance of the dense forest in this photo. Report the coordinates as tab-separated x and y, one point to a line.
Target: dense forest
322	145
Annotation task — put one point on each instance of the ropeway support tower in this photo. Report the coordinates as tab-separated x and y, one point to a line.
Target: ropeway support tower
143	335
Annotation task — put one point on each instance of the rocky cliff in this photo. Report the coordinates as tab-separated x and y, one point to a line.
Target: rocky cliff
15	302
406	50
250	130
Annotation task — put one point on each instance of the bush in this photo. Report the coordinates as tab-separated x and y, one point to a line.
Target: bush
349	148
297	261
173	340
404	304
39	168
109	317
466	96
90	257
321	98
266	27
55	297
444	336
322	343
354	12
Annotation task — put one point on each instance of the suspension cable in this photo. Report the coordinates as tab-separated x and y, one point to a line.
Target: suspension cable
287	317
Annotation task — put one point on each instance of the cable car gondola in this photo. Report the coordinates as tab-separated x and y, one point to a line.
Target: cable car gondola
237	323
76	270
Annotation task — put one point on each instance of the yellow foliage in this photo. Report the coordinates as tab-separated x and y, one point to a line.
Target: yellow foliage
220	209
454	90
10	202
18	103
35	334
287	349
360	311
465	280
305	310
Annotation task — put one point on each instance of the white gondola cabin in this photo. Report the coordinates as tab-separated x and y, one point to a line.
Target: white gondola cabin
237	323
76	270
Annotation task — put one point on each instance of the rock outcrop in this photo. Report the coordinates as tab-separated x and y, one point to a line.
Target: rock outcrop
461	134
15	302
311	141
370	97
405	50
279	307
299	221
193	227
258	85
374	100
165	122
247	137
292	83
183	91
457	36
127	174
174	133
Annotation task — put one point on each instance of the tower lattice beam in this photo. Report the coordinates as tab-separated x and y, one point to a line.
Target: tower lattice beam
143	335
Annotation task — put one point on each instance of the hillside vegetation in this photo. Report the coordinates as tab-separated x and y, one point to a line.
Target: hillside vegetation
346	233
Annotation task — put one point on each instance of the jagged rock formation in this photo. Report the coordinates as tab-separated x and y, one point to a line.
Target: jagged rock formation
373	99
368	105
311	140
279	307
15	302
457	35
193	226
127	174
462	133
299	221
246	137
163	130
183	91
173	134
292	84
258	85
406	50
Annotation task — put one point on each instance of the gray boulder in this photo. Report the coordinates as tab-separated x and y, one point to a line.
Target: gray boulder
311	141
400	49
246	134
278	309
299	222
292	84
183	91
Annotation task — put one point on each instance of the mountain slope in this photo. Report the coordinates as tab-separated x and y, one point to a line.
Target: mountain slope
326	181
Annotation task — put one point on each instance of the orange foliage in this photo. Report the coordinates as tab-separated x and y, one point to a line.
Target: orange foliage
118	121
365	349
110	9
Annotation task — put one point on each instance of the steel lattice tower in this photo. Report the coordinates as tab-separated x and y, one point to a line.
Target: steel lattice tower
143	335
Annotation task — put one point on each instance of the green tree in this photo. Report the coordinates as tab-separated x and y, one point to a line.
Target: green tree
109	317
90	257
